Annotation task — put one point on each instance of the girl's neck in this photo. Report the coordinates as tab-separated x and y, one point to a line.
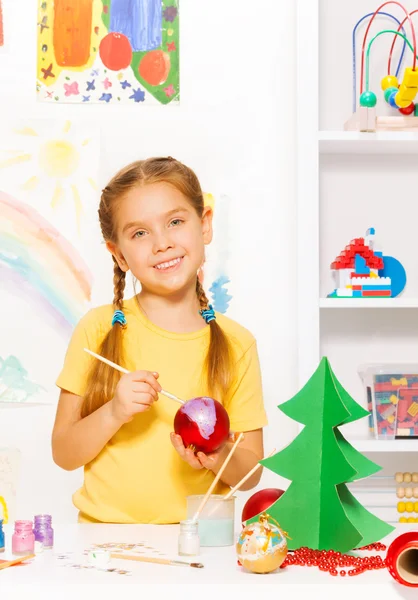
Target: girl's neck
179	314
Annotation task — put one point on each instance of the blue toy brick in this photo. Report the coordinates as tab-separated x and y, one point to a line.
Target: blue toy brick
360	265
371	287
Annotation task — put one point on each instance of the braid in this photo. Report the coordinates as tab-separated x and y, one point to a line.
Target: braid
201	296
119	282
102	379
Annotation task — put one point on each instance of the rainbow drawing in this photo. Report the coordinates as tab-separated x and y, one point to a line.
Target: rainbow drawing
37	262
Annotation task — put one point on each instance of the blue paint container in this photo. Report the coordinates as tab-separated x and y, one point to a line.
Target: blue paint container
1	536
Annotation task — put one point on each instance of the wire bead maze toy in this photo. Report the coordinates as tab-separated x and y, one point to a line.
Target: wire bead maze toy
399	96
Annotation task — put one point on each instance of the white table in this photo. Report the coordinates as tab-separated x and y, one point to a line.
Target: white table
220	567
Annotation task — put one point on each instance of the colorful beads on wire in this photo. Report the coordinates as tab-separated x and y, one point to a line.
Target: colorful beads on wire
407	492
392	99
406	477
408	110
368	99
407	507
408	520
390	81
389	91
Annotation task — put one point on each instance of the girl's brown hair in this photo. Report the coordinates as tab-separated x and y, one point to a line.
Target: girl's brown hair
219	362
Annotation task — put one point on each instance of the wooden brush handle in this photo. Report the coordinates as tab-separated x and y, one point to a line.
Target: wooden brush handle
151	559
16	561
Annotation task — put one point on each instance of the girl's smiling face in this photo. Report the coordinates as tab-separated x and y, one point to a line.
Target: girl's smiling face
160	238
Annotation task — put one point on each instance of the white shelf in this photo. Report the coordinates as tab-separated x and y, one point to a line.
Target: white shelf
368	303
353	142
371	445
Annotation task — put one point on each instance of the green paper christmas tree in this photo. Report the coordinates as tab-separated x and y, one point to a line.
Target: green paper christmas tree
317	510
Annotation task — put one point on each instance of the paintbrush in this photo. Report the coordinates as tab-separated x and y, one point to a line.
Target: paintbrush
9	563
159	561
217	478
238	485
123	370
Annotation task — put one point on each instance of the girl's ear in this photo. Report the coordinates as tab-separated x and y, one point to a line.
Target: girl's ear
120	259
207	219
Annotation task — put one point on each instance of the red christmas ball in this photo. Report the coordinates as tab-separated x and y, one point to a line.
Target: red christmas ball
115	51
203	423
260	502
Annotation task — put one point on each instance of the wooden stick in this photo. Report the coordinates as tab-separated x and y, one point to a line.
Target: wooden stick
152	559
239	484
9	563
217	478
122	370
244	479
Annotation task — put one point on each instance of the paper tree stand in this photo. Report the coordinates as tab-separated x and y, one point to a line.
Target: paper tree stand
317	510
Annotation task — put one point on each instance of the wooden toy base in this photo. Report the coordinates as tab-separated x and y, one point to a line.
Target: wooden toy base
365	119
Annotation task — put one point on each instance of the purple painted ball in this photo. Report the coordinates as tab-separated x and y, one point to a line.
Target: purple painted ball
203	423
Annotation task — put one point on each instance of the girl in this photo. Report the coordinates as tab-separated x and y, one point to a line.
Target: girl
155	224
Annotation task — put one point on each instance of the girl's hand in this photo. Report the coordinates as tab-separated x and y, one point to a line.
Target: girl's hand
200	460
135	393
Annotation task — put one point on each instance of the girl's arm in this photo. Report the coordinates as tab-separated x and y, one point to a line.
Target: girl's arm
77	441
248	453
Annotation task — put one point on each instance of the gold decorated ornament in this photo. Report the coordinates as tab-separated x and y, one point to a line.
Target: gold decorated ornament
262	546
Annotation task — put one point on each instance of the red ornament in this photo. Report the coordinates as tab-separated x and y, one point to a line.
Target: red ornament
408	110
202	423
155	67
260	502
115	51
402	559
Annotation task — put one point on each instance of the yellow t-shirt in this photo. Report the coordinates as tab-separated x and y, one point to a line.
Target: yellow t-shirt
138	477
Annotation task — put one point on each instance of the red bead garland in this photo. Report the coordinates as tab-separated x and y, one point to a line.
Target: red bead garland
329	560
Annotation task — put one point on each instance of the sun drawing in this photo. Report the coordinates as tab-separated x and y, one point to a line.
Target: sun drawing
51	165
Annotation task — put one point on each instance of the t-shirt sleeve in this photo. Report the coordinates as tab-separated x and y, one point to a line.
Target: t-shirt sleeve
77	363
246	406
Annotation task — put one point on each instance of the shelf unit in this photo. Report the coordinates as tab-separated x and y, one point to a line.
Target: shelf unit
353	142
367	303
372	445
313	146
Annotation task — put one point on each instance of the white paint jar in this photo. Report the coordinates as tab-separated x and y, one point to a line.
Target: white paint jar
188	541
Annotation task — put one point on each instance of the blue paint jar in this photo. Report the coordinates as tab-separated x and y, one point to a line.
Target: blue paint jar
1	536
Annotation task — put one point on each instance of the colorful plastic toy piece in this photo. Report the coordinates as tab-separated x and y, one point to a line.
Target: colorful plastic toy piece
399	97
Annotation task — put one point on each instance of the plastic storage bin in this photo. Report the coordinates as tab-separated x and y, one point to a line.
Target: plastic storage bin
392	399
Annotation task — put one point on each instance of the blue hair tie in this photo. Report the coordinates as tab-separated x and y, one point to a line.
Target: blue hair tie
208	314
119	317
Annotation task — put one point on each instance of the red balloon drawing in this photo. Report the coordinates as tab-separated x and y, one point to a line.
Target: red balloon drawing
115	51
154	67
260	502
203	423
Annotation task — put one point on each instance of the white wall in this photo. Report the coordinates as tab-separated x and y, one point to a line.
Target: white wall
235	126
